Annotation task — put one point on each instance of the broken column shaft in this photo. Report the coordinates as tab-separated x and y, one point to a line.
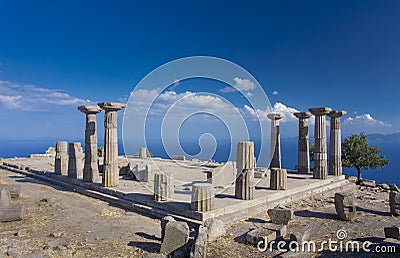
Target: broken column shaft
245	164
303	149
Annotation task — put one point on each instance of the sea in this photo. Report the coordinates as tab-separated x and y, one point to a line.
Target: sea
390	149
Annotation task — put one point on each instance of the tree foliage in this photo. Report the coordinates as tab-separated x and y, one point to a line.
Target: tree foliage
358	154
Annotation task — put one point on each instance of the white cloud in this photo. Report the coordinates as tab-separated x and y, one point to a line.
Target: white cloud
365	119
32	98
277	108
275	93
242	85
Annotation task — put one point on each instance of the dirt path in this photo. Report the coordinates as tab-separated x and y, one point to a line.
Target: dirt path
92	227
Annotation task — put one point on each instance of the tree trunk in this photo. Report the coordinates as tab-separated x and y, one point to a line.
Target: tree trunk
359	179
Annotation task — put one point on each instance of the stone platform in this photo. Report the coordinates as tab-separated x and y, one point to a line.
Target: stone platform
138	196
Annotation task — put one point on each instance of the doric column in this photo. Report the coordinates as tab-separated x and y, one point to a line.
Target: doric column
61	159
245	164
110	170
91	167
320	150
75	168
278	179
335	144
303	149
275	140
162	187
202	198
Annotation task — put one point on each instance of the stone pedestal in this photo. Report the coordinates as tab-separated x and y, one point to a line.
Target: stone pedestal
278	179
61	160
162	187
245	164
110	170
202	198
275	140
303	149
320	150
75	165
335	144
143	153
91	168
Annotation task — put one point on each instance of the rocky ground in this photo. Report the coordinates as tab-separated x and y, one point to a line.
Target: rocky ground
60	223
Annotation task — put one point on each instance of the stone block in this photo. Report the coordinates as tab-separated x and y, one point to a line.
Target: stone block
200	243
265	234
5	198
176	237
393	187
392	232
202	197
15	190
12	213
394	203
278	179
215	228
61	159
345	206
369	183
280	216
163	223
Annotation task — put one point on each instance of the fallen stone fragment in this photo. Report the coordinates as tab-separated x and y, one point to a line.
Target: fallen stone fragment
394	187
163	223
280	216
56	234
12	213
265	234
215	228
15	190
58	242
5	198
384	186
369	183
394	203
345	206
176	237
200	243
392	232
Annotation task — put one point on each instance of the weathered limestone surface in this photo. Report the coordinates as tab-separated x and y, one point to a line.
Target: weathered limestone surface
110	170
200	243
280	216
176	237
245	164
335	144
275	140
345	206
75	166
215	228
320	151
163	223
162	187
394	203
265	234
278	179
13	189
61	158
91	167
9	212
303	157
202	198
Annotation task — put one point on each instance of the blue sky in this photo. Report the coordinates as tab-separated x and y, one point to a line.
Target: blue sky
56	55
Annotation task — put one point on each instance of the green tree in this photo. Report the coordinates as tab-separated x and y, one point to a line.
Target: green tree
358	154
311	151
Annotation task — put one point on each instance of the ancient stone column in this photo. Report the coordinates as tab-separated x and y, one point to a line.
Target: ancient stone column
202	198
91	167
303	149
275	140
162	187
278	179
110	170
143	153
75	168
245	164
335	144
61	159
320	150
